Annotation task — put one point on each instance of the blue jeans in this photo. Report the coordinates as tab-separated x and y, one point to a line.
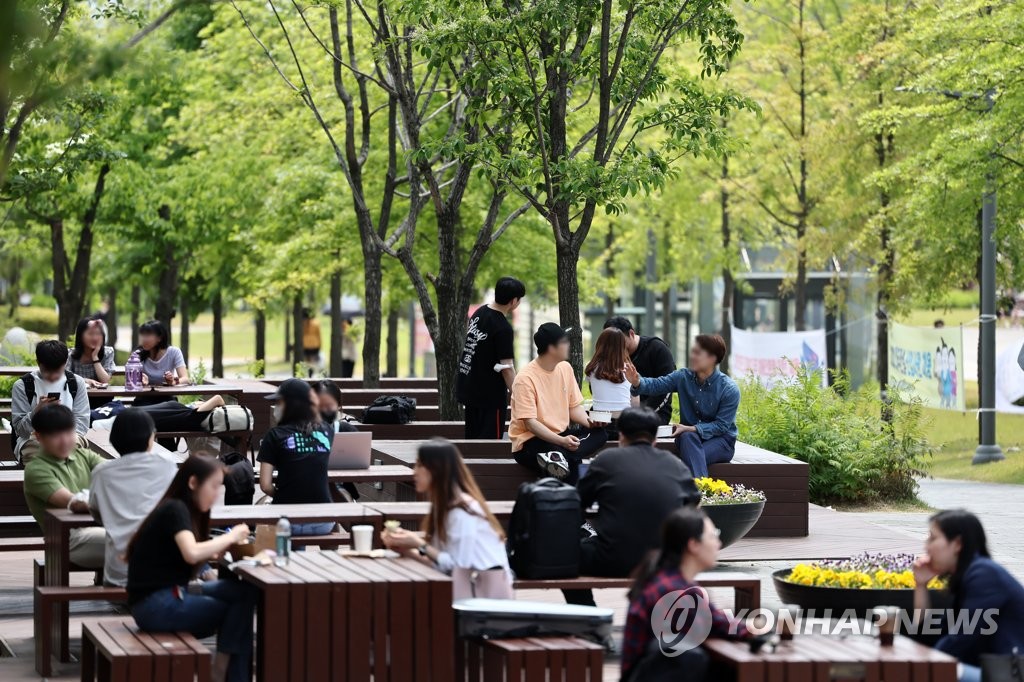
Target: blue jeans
313	528
225	607
700	454
970	673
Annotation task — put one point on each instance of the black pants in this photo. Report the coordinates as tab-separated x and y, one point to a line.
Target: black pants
348	367
486	423
591	440
655	666
589	565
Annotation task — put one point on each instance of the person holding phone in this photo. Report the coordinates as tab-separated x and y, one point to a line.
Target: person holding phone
51	384
91	358
164	557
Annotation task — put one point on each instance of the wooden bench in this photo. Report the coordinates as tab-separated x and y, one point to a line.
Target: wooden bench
566	659
44	601
387	384
116	651
746	588
19	526
415	430
365	396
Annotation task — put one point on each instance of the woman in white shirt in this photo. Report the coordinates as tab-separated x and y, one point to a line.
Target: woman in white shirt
459	532
605	372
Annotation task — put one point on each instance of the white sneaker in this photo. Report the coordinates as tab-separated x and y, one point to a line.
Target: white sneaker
554	464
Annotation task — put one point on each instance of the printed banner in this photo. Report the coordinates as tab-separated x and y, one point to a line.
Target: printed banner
771	356
1010	379
928	363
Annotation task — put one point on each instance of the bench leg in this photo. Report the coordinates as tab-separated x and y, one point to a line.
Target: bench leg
747	598
88	663
41	625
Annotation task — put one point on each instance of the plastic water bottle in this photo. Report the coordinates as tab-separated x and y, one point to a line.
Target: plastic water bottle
284	541
133	373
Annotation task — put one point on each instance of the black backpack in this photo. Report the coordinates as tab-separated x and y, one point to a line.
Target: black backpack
239	479
29	382
390	409
544	531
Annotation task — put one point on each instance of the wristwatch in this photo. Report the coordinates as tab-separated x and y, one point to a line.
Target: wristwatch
422	549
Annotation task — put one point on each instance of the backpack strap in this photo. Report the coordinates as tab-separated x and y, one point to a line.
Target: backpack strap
29	382
72	382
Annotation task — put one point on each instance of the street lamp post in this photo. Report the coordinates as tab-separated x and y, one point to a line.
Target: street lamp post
988	450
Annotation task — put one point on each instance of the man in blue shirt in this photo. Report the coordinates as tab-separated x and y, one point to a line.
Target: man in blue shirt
708	400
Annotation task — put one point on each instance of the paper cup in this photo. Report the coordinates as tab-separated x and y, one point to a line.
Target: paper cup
362	538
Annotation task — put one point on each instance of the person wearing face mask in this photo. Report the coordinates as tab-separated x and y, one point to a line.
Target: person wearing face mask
298	450
330	406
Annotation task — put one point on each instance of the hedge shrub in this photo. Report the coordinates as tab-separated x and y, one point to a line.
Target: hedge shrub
37	319
853	455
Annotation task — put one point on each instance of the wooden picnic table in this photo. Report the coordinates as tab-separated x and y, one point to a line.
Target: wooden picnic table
99	442
112	392
812	657
12	371
327	616
378	473
58	524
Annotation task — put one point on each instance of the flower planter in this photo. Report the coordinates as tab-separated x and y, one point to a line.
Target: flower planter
838	599
734	520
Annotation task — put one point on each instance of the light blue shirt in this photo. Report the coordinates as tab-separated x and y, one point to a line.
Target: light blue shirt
710	406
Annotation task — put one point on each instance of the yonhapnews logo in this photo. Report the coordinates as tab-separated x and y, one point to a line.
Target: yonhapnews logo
681	620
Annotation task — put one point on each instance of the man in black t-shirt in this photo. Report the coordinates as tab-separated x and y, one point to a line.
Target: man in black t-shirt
654	355
486	368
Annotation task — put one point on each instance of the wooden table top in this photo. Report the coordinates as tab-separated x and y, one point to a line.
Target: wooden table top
816	656
330	566
112	392
99	441
344	512
377	472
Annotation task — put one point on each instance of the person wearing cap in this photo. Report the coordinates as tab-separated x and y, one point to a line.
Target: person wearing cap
708	400
546	402
298	449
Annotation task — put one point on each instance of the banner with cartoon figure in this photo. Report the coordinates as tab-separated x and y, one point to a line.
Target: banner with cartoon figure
928	363
771	356
1010	378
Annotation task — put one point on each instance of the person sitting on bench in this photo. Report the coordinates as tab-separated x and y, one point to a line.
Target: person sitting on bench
545	400
163	558
125	490
689	545
708	400
58	478
298	448
636	487
50	384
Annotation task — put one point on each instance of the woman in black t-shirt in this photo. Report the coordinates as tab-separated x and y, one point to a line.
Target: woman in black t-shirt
298	448
162	560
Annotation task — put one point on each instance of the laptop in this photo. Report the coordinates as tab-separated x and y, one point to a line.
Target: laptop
350	450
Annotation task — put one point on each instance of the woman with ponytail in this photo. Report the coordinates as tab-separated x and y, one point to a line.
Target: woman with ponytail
689	545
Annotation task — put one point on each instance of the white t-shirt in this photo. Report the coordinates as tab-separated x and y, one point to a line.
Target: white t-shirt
472	542
609	396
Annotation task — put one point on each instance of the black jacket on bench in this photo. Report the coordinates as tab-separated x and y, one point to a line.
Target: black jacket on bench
636	487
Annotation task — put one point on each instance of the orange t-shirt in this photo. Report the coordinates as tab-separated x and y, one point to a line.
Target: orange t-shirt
544	396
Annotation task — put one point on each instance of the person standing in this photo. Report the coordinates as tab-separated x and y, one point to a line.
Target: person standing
125	490
310	339
482	386
546	400
652	358
348	349
708	400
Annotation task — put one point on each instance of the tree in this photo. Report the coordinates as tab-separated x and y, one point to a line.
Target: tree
594	116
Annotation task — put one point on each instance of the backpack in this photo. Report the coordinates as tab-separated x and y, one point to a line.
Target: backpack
390	409
228	418
29	382
544	531
239	479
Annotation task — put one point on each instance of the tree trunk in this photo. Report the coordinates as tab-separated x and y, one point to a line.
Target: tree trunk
167	290
261	337
567	260
287	336
728	284
448	343
609	272
392	349
218	334
800	285
334	365
136	308
112	317
372	304
184	339
296	331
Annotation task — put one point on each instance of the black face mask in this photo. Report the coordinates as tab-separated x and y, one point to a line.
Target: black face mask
329	416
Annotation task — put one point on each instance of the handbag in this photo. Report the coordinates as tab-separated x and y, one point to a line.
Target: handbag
470	583
1002	667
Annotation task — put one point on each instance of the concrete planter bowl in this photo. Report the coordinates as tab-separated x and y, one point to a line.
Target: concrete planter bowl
734	520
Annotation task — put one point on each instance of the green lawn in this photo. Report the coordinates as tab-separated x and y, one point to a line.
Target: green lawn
954	437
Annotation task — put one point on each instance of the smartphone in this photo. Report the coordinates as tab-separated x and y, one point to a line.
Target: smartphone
53	395
665	431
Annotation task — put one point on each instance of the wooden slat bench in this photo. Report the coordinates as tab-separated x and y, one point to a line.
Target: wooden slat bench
414	431
566	659
44	601
116	651
365	396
